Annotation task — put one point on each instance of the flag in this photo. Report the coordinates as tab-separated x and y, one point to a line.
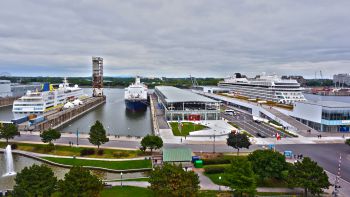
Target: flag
278	136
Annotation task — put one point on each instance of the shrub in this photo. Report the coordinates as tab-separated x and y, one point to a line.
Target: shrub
219	160
215	169
100	152
120	154
49	148
87	151
14	146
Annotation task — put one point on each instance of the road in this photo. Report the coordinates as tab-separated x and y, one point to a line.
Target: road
246	122
326	155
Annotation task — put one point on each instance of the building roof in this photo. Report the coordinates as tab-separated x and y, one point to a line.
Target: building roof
177	155
175	95
331	104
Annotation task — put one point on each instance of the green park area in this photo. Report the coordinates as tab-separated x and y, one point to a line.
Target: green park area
115	165
145	192
186	128
76	151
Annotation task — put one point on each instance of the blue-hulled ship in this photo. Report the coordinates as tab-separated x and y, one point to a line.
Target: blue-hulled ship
136	96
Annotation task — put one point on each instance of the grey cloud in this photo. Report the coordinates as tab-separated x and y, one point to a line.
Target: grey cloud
175	38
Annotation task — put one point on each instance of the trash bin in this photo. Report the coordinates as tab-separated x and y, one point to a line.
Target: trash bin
198	164
194	158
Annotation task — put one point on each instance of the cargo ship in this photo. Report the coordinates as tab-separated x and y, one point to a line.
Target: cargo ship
136	96
49	98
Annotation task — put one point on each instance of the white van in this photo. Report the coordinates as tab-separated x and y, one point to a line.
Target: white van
230	112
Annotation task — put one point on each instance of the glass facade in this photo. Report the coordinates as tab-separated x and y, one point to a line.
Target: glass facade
336	114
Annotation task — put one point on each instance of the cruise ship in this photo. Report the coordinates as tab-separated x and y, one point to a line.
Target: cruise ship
266	87
136	96
49	98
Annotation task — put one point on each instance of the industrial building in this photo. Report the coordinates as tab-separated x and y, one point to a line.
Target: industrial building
341	79
5	88
327	116
8	89
180	104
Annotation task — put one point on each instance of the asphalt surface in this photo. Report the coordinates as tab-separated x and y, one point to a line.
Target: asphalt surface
246	122
326	155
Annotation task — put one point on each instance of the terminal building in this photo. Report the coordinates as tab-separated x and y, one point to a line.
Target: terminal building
185	105
327	116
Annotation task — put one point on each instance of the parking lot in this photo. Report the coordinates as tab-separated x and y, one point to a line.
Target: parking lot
246	122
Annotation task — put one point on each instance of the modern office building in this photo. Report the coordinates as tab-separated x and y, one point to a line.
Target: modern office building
341	79
180	104
327	116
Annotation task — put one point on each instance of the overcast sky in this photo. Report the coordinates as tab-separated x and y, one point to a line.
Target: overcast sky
175	37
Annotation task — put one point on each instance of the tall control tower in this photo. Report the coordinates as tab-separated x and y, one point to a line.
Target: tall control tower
97	76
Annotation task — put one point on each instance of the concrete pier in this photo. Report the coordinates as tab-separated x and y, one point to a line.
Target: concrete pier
57	119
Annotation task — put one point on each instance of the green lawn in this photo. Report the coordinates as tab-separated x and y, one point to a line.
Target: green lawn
71	151
215	178
127	191
115	165
133	179
186	128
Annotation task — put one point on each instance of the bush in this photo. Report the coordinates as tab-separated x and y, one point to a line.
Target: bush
49	148
219	160
120	154
14	146
87	151
215	169
100	152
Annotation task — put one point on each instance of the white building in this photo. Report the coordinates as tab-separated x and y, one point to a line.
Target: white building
328	116
5	88
341	79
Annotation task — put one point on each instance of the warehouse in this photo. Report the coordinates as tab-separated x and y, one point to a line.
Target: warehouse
180	104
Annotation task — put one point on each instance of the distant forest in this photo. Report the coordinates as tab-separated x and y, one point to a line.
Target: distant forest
117	82
150	82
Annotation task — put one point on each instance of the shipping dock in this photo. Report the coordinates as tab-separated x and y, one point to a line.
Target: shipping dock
67	110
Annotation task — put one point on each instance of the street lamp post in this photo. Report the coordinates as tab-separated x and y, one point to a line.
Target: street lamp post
121	179
219	183
77	136
214	142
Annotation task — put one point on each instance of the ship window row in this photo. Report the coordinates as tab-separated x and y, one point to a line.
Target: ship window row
28	104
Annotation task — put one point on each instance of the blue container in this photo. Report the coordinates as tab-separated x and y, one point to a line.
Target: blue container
37	120
20	120
195	158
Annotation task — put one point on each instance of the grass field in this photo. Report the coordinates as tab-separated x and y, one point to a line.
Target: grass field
186	128
128	191
75	151
115	165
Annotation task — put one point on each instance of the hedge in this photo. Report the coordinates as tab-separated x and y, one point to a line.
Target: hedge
215	169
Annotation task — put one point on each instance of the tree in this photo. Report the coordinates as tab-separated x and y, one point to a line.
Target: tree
151	142
78	182
309	175
50	135
35	181
268	164
240	177
238	141
8	131
347	141
98	134
172	180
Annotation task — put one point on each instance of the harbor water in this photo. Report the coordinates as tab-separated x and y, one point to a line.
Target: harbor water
116	119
